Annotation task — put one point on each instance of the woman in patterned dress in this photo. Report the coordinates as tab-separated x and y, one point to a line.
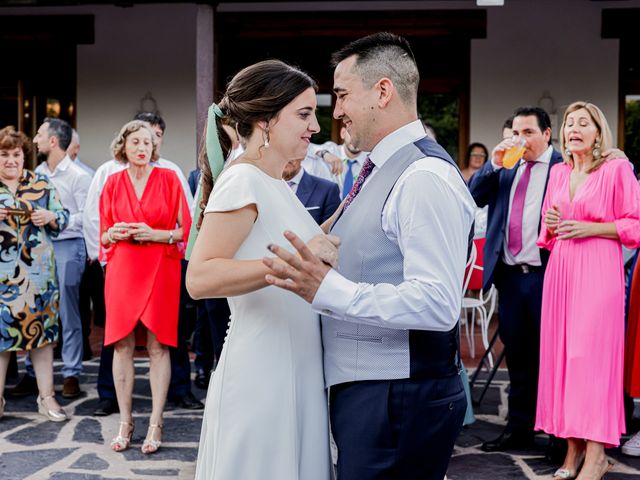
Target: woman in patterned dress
30	214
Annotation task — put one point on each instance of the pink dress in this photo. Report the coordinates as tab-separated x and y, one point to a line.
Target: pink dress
582	330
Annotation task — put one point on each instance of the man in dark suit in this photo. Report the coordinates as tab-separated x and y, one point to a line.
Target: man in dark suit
319	196
514	263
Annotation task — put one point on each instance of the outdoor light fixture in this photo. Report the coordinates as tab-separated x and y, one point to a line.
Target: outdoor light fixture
490	3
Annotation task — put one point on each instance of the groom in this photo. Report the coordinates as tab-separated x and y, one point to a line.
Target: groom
390	309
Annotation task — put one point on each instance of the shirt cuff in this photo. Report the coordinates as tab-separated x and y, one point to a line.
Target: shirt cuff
495	167
334	296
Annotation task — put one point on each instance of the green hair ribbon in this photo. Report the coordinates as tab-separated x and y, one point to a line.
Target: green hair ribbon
216	163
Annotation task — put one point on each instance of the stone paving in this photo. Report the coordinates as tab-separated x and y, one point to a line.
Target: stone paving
32	448
35	449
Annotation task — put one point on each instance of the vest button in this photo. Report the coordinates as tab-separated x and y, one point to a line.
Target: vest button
450	405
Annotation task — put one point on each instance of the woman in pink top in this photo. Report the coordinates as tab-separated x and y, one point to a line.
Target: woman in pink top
590	209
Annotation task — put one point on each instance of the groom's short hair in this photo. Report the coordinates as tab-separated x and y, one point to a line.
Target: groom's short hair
384	55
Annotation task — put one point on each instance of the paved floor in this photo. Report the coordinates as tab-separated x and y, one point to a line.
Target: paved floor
34	449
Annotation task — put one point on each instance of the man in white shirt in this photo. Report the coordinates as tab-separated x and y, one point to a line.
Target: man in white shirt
180	390
390	312
92	283
72	183
352	159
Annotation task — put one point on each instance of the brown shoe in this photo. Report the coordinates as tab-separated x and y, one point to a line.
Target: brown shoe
71	387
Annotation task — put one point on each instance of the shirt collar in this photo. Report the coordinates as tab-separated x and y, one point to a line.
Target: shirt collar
297	177
545	157
359	159
62	166
409	133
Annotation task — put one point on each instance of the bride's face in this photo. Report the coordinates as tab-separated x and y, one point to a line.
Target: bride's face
290	133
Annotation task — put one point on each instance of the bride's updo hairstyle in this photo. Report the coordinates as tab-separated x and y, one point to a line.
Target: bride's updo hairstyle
255	94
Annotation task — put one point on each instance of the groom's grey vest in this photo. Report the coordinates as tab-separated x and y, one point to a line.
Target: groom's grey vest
354	351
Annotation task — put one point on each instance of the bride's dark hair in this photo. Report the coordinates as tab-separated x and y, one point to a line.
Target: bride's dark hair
255	94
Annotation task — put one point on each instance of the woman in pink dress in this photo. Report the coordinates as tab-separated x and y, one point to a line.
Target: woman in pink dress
591	207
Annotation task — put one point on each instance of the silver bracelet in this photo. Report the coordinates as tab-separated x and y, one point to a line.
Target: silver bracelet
170	237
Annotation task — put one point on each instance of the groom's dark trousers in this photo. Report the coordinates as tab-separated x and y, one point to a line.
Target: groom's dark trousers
402	429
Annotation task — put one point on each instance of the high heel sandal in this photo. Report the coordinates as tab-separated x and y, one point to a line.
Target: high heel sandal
150	445
121	443
58	415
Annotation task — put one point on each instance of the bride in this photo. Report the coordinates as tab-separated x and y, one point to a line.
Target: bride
266	411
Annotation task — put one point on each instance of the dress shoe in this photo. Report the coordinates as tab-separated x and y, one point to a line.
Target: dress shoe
71	387
26	386
106	407
202	380
187	401
508	441
57	415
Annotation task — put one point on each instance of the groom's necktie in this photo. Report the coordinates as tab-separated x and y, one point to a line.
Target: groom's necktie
517	209
367	168
348	179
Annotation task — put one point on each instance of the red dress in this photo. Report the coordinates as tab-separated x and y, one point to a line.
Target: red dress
632	346
143	279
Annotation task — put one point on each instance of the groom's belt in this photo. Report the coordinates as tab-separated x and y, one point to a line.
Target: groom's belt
434	354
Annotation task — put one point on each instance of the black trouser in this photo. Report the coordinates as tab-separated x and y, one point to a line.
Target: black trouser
519	327
91	295
396	429
211	325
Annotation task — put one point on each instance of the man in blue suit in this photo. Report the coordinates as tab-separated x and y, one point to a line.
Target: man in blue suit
319	196
514	263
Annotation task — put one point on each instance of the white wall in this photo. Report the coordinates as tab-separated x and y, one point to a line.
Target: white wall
139	49
538	45
146	48
531	46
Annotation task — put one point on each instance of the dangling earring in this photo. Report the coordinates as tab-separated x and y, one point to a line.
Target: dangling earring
596	150
266	140
567	152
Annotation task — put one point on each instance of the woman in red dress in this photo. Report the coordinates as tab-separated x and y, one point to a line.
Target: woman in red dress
143	214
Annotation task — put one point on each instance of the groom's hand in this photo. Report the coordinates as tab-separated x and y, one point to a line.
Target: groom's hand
301	274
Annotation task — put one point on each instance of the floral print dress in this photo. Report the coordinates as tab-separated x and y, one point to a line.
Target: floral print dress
29	292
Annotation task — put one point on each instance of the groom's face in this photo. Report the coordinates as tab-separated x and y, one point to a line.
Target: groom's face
355	104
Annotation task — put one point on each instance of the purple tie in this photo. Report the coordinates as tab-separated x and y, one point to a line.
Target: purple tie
517	209
367	168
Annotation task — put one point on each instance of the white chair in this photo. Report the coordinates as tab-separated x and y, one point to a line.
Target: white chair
477	305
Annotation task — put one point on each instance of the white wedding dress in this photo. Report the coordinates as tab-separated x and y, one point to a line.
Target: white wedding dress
266	410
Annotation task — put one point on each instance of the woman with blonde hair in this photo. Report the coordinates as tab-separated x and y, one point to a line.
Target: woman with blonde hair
591	208
143	214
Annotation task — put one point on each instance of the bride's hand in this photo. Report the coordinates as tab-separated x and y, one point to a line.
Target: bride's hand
325	247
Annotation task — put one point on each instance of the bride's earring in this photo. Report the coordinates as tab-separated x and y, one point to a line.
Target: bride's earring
266	137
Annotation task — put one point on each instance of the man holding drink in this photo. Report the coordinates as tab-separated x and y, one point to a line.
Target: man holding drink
513	184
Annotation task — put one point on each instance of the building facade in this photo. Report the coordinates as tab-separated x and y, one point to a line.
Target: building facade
98	63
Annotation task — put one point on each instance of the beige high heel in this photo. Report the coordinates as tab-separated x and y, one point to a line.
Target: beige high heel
58	415
121	442
150	445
